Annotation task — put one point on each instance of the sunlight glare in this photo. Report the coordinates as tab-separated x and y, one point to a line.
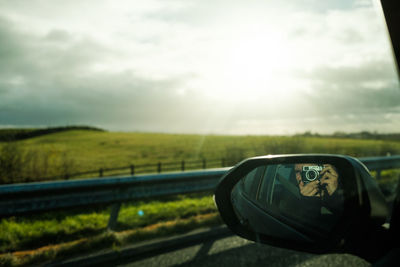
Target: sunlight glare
255	64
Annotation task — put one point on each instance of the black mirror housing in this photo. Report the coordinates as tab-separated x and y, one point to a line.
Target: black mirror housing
363	206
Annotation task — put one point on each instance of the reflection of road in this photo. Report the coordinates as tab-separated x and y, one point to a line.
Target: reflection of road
235	251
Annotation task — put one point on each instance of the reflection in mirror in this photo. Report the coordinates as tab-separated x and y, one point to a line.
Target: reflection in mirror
286	198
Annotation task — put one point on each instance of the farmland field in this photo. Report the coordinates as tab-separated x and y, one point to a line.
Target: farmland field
84	150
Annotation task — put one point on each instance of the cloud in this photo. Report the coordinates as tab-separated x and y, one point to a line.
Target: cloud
52	79
58	36
368	87
11	48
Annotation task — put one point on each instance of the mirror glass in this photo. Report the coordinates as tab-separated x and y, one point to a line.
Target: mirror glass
292	200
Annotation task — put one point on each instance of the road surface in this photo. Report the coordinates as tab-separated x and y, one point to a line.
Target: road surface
235	251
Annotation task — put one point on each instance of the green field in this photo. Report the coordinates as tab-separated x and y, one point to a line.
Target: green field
83	150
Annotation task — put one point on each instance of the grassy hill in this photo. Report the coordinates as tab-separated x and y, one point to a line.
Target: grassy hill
7	135
79	150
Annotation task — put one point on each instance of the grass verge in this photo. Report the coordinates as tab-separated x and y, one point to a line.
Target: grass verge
111	240
24	233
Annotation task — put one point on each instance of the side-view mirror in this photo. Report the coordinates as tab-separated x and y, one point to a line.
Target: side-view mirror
312	203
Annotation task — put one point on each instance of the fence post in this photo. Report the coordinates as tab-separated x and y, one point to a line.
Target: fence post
183	165
112	222
101	172
223	162
132	169
159	167
204	163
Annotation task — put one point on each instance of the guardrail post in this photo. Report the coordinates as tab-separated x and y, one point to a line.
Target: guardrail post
204	163
378	174
159	167
101	172
132	169
183	165
112	222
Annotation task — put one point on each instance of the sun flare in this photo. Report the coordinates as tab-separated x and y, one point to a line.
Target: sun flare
249	65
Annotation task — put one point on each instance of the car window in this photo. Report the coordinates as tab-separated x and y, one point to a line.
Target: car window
97	89
251	183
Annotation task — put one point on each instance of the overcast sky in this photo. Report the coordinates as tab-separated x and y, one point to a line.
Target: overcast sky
201	66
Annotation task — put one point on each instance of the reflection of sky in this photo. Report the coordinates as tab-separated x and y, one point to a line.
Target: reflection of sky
235	67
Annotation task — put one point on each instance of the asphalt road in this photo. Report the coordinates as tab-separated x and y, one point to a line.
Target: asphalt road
235	251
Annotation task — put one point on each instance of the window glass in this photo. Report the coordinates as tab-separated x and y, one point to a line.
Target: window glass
252	182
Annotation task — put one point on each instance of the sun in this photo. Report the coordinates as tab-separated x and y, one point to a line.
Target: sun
250	65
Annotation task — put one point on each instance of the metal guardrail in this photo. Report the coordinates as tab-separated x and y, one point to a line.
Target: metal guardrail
20	199
381	163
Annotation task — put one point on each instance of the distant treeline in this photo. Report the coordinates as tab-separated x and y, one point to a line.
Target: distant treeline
21	134
359	135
